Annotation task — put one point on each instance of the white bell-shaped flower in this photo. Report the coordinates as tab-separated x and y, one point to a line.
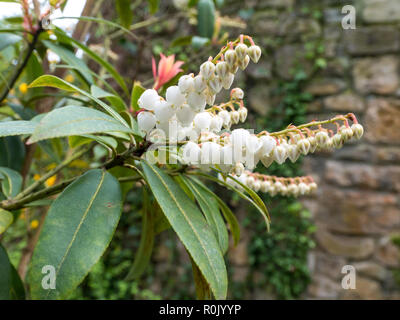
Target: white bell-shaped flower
280	154
210	153
148	99
174	96
241	51
146	121
304	146
164	110
186	83
199	83
207	70
227	81
226	117
222	69
185	114
197	101
231	57
254	53
216	124
202	121
268	144
191	153
358	130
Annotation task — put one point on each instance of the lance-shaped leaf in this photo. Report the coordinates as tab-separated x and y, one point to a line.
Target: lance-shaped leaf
73	121
191	227
226	211
210	208
78	228
12	152
6	218
145	250
11	287
15	128
55	82
11	182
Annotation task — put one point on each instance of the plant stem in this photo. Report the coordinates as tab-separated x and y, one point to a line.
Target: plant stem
51	173
22	66
307	125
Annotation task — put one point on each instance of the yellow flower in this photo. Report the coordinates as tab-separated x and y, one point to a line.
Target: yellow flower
23	88
51	181
80	164
70	78
12	92
51	166
36	177
34	224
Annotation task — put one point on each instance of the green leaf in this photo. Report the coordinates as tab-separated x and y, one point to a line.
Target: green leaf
77	230
226	211
210	208
11	287
76	141
12	153
124	12
73	121
153	5
11	182
262	209
94	56
14	128
70	58
6	218
205	18
201	285
8	39
191	227
137	91
115	101
55	82
145	250
199	42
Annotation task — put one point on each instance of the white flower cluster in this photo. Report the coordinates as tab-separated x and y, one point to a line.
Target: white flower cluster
192	132
182	114
295	187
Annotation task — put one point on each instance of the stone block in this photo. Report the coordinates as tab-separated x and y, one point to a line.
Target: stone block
372	40
366	289
382	121
381	11
325	86
344	102
376	75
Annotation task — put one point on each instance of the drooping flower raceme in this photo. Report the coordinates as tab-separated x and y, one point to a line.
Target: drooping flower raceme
187	121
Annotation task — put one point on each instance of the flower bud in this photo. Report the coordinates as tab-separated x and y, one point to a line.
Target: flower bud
241	51
226	117
250	181
222	69
293	189
237	94
239	169
146	121
322	138
254	53
304	146
215	84
199	83
313	186
267	160
174	96
233	69
313	144
268	144
227	81
265	185
303	188
230	57
207	70
235	117
210	98
243	114
358	130
346	133
337	141
280	154
257	185
293	152
244	62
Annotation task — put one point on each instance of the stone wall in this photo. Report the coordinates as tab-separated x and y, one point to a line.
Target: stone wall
357	207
